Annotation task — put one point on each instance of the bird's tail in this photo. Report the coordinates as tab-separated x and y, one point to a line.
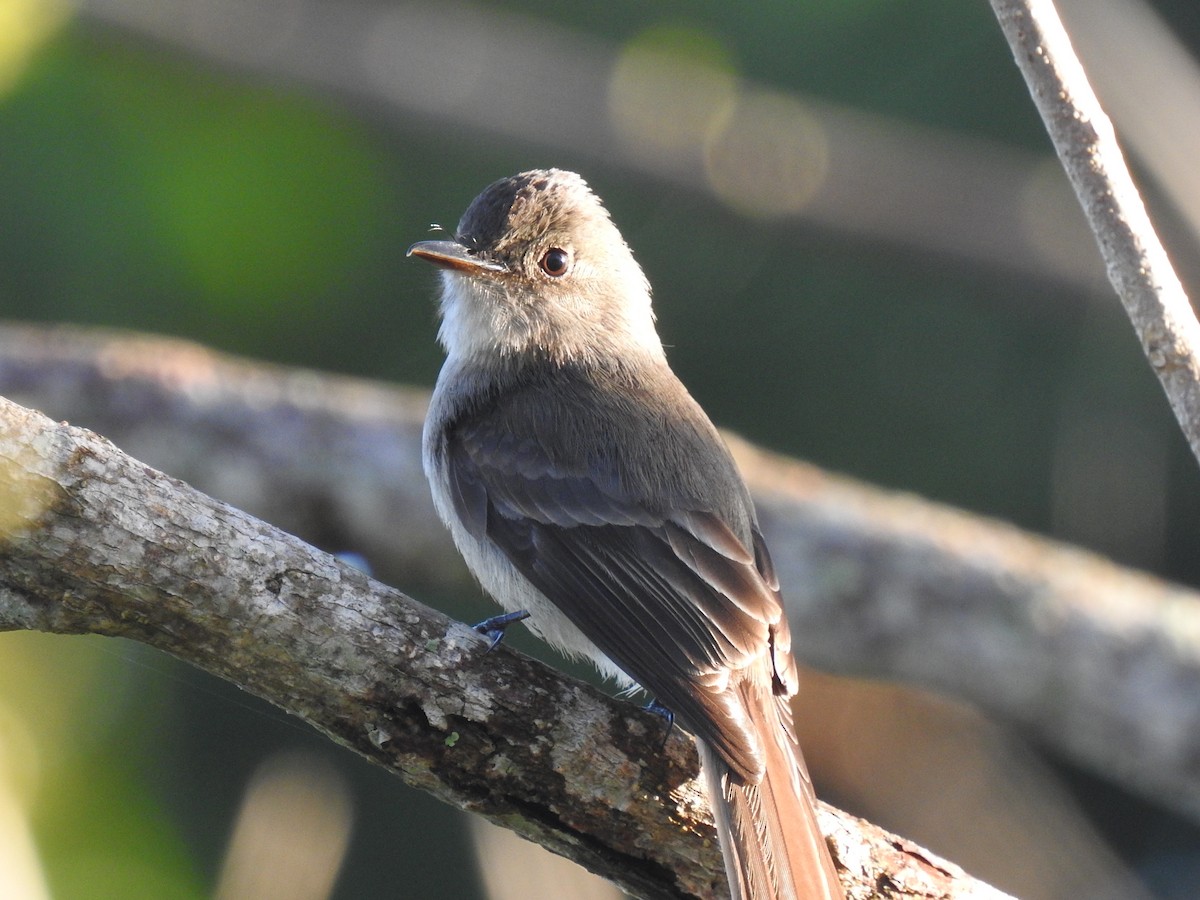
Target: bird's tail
770	839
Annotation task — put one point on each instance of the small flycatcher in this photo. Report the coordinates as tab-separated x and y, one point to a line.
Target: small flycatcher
583	483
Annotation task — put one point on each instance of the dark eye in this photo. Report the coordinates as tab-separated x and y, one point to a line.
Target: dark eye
554	262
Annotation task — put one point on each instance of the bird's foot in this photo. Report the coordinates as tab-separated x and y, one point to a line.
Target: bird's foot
497	625
665	714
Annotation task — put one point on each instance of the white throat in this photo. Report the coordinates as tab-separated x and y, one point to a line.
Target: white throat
480	321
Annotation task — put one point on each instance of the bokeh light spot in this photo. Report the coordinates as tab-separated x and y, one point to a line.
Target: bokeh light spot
668	88
24	26
769	157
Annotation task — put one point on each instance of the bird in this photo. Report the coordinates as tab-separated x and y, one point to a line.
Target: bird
585	487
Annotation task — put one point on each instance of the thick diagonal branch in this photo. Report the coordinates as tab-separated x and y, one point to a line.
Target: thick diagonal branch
1099	662
94	541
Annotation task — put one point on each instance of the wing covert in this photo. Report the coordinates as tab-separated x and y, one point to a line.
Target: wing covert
673	597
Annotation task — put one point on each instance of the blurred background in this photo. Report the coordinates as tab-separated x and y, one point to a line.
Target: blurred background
864	255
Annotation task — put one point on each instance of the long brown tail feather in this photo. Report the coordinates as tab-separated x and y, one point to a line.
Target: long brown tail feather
772	844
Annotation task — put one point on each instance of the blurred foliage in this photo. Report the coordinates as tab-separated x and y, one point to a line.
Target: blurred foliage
141	189
82	727
140	194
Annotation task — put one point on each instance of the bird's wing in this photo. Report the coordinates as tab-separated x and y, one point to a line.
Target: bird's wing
673	596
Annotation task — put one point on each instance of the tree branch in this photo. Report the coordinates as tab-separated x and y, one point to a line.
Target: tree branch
408	63
1087	146
94	541
1099	662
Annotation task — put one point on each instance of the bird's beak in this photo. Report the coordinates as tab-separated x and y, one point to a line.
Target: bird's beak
453	255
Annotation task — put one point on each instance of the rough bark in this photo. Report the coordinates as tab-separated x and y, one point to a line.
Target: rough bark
1099	662
92	540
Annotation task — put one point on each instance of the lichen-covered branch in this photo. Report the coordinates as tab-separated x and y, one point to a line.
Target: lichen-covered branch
1099	662
94	541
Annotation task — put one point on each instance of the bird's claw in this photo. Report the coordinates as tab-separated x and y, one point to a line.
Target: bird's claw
662	712
495	626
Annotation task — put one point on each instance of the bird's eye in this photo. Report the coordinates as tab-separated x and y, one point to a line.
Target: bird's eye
554	262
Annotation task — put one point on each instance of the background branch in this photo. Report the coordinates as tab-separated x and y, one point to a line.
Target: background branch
96	542
865	173
1097	661
1087	146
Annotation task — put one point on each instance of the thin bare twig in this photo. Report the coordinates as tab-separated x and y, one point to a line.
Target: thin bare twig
1086	143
